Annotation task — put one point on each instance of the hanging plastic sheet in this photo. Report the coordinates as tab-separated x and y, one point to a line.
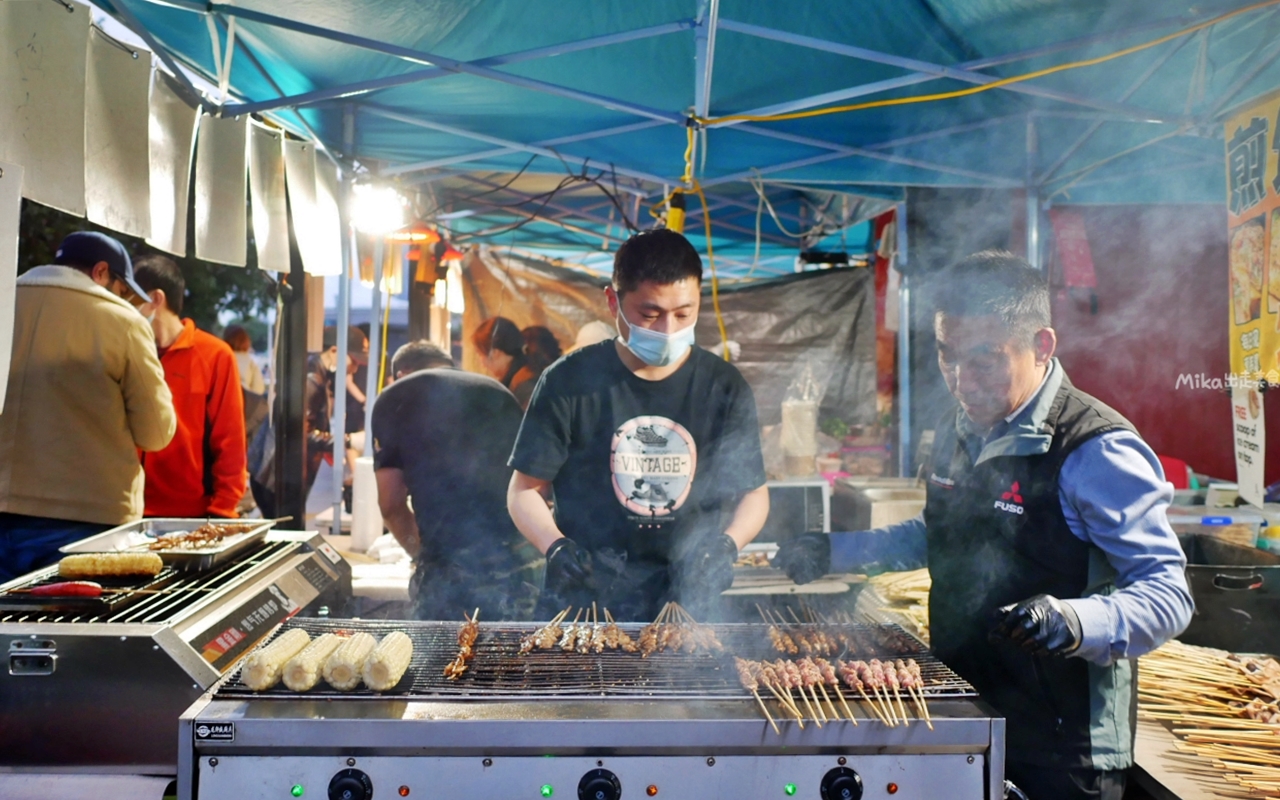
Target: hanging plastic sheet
315	212
42	94
10	211
172	134
221	234
267	198
117	189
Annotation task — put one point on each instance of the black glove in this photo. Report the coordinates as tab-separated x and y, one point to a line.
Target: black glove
805	558
1041	625
569	567
711	564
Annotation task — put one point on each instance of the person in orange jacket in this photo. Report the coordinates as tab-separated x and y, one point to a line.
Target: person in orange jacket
202	473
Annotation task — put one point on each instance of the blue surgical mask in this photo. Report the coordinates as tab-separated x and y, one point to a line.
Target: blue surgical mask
658	349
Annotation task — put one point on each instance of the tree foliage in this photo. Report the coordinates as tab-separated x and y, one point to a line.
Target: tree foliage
212	289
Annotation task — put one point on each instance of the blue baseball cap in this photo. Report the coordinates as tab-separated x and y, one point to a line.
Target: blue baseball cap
87	248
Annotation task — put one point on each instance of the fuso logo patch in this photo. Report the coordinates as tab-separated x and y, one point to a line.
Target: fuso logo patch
1011	501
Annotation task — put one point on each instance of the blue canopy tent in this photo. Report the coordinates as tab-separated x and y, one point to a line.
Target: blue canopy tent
554	127
455	91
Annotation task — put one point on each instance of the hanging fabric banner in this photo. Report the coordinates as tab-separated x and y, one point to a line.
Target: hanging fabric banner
10	212
1253	266
172	134
267	198
117	188
42	69
221	234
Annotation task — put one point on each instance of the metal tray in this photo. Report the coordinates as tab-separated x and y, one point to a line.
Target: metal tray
136	536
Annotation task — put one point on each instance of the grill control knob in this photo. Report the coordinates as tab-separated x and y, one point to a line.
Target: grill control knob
842	783
350	784
599	784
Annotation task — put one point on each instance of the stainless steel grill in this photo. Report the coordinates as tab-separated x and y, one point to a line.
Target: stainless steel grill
100	682
499	670
592	726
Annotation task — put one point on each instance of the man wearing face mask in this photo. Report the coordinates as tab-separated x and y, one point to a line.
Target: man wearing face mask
1046	535
649	447
86	392
202	471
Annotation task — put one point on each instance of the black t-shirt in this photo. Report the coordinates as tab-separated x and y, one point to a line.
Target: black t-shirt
450	432
641	467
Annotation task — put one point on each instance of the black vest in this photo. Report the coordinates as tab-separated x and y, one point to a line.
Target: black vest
997	535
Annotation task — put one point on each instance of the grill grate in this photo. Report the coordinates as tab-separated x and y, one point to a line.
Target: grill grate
499	671
165	596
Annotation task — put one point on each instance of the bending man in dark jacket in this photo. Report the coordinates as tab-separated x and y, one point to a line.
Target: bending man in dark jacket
1052	559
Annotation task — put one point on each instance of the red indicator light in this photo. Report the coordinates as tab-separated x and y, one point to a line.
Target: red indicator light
652	790
892	788
404	791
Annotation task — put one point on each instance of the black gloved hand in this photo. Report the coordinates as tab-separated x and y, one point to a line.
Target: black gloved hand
1041	625
569	567
712	563
805	558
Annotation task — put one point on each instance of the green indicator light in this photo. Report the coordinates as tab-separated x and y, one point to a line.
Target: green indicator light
547	790
297	790
790	789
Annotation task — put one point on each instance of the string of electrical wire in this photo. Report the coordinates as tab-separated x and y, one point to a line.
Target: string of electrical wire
986	87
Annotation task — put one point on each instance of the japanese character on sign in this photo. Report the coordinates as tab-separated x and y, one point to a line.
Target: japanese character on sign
1251	340
1246	165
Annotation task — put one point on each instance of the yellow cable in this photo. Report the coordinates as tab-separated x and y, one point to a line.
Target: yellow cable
986	87
382	355
715	281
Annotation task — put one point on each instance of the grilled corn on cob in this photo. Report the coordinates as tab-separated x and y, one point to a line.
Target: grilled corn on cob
303	670
342	670
97	565
262	668
387	663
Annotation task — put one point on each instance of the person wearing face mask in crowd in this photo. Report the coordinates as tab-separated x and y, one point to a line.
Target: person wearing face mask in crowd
202	471
86	392
1046	536
649	447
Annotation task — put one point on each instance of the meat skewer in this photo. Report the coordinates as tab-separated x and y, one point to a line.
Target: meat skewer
911	683
820	685
875	679
812	678
851	673
795	681
891	683
914	669
833	680
616	638
570	636
467	636
777	682
545	638
747	676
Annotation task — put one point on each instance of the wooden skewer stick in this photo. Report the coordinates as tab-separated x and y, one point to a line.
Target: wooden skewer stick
788	704
901	707
765	709
818	704
874	707
888	708
845	704
834	713
812	715
922	706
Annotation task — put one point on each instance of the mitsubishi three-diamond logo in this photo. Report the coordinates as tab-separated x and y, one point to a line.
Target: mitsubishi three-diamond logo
1011	501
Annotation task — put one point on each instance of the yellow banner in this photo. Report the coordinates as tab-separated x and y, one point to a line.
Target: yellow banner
1253	222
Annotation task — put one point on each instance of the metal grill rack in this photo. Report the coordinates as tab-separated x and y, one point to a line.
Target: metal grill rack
153	600
499	671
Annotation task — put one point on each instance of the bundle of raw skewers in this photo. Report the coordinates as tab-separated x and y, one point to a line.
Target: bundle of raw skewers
905	595
1222	708
880	686
587	636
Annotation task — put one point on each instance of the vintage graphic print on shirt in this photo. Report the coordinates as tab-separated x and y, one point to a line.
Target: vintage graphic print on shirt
653	461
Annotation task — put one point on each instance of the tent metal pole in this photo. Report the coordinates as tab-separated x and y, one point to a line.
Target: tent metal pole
375	344
526	148
704	54
338	425
938	70
431	73
1093	128
131	22
904	349
1261	58
449	64
403	169
1033	197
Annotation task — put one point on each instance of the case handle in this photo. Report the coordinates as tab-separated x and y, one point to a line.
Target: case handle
1238	583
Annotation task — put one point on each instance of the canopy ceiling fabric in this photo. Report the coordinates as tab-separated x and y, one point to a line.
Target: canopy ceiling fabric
444	91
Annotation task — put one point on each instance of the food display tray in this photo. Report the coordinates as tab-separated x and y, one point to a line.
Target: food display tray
137	537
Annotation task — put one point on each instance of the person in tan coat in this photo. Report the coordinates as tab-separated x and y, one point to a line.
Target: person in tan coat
86	392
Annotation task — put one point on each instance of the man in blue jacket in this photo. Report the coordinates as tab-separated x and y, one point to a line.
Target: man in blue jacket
1052	560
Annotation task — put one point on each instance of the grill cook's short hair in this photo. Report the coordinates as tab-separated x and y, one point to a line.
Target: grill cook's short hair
994	283
498	333
161	272
418	355
661	256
